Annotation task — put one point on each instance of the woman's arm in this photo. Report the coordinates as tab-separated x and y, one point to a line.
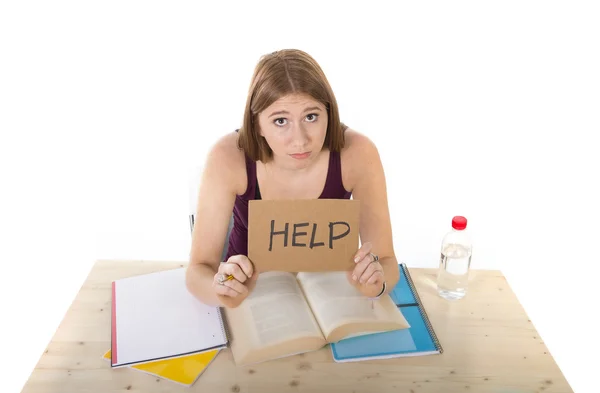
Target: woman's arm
366	174
221	181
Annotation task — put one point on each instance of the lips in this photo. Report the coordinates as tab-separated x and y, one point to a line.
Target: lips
300	156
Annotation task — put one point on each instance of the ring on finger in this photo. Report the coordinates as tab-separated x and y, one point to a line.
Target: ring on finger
221	279
375	257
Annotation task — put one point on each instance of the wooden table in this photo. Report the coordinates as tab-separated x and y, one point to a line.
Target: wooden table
489	346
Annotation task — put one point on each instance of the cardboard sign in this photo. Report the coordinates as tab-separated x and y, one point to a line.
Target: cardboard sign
303	235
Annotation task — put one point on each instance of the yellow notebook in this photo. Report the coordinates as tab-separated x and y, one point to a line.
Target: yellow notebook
184	370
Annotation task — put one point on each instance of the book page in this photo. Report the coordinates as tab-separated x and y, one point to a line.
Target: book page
274	314
279	310
335	302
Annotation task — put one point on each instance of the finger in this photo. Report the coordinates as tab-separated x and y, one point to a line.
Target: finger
244	264
363	252
236	286
225	290
222	289
367	273
376	278
235	270
360	268
349	274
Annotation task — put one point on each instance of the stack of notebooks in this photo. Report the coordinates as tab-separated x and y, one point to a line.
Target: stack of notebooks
159	328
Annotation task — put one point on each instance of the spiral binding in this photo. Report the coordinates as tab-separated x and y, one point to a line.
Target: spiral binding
224	325
421	308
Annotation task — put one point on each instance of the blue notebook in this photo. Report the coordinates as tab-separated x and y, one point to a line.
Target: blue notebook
418	340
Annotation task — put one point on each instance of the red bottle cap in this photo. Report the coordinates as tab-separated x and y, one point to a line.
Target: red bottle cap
459	223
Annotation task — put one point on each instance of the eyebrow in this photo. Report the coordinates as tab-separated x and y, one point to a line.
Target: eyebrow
312	108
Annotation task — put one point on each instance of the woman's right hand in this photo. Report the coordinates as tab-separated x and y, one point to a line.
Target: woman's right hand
232	292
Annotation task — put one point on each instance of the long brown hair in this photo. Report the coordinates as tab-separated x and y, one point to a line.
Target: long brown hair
284	72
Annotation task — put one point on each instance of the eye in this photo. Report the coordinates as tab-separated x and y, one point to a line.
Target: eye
314	116
277	121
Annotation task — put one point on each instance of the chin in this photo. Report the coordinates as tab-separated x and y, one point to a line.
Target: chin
293	163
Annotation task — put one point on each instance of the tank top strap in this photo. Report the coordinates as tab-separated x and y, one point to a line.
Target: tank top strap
334	186
251	187
251	176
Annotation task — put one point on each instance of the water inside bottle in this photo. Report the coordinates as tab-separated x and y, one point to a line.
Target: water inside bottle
453	274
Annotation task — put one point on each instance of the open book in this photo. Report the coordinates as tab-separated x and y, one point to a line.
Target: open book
290	313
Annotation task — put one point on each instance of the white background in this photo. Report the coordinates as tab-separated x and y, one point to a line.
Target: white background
488	111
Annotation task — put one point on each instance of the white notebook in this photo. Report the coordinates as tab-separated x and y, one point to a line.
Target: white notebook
155	317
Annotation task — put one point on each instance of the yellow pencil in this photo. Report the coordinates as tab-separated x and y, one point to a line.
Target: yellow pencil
224	278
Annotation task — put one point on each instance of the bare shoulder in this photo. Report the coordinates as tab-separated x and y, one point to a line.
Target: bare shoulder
359	153
227	162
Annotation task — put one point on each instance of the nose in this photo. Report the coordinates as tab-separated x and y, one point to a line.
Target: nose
299	136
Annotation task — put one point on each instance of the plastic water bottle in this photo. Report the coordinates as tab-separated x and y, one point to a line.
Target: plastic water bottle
455	261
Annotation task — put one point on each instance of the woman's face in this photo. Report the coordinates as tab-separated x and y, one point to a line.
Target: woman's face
294	127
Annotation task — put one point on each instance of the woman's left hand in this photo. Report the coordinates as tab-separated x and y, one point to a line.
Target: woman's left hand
368	273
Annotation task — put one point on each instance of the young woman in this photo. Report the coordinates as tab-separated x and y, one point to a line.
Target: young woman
292	145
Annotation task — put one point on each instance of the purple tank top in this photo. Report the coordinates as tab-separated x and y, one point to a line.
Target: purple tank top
238	237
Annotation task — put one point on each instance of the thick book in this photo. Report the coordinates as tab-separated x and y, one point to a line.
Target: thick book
155	317
418	340
184	370
290	313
